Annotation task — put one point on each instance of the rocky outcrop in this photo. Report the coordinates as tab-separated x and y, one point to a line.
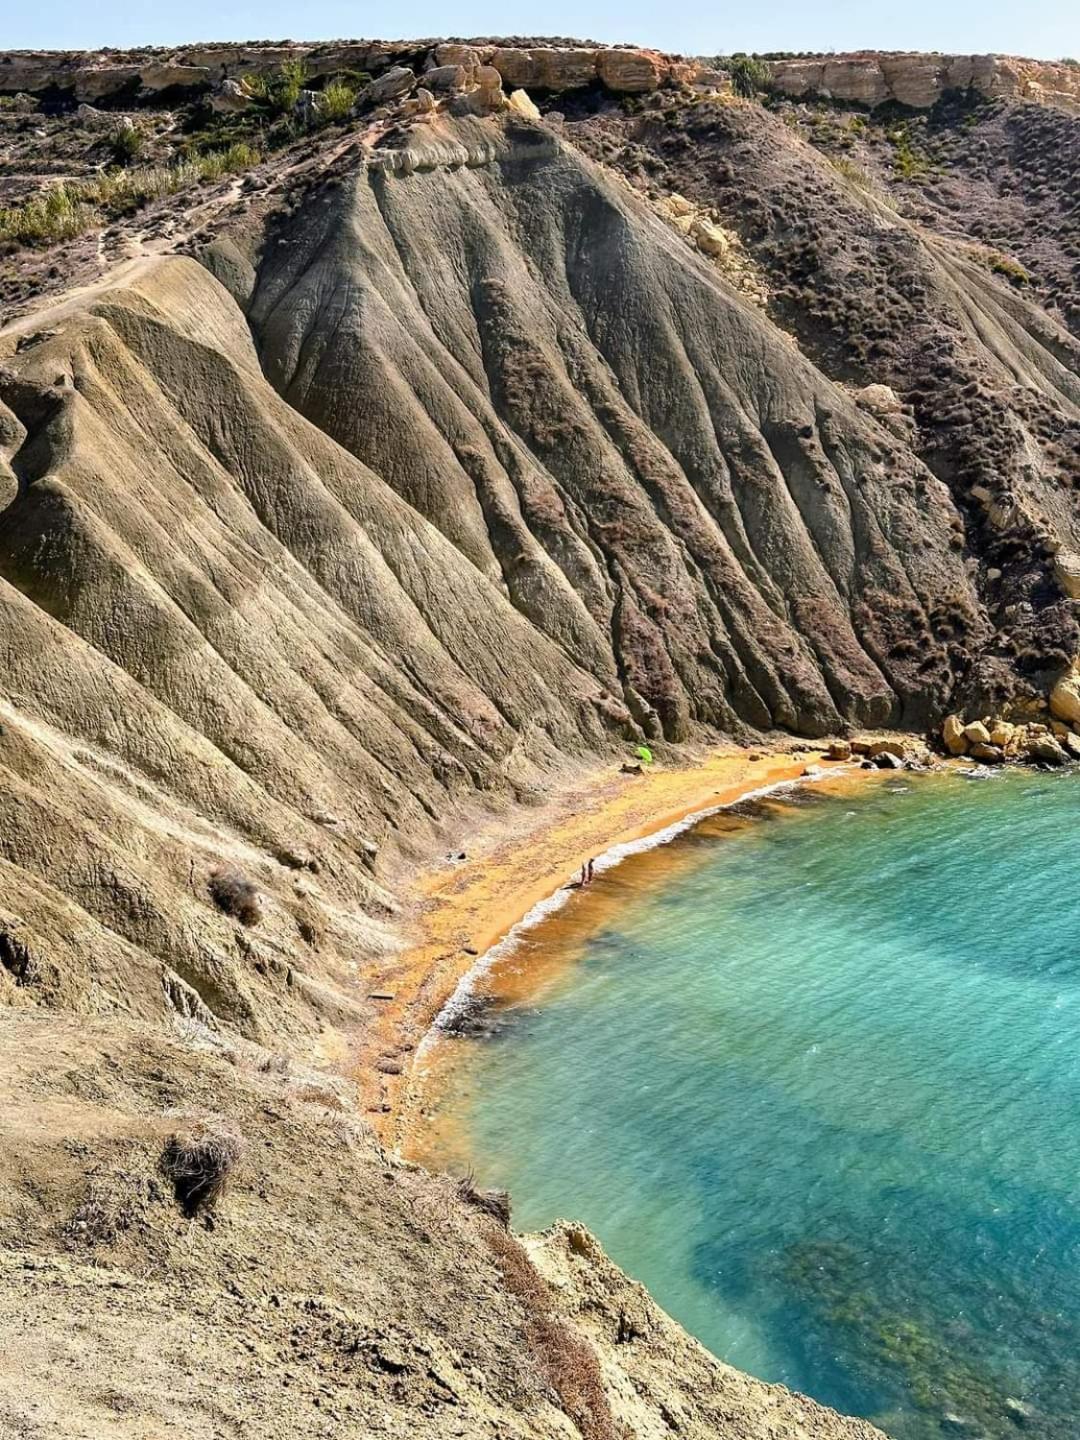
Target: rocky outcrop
952	733
1067	573
865	78
454	468
636	513
231	98
545	68
341	722
153	75
720	244
484	492
519	101
397	82
659	1384
994	739
919	81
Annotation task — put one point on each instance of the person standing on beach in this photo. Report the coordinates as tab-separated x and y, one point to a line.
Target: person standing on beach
588	872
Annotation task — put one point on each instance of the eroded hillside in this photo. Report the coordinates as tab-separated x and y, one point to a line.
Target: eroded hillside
382	474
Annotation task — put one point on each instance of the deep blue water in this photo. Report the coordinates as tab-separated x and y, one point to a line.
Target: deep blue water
816	1083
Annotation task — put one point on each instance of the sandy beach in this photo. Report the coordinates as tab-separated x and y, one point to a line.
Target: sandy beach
461	909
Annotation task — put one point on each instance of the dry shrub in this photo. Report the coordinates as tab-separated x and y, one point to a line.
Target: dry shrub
200	1161
234	894
15	958
568	1360
495	1203
322	1095
108	1208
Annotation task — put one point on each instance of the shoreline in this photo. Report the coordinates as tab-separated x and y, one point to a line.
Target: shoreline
495	974
607	860
519	866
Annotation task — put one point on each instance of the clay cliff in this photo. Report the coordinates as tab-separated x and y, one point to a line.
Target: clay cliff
383	444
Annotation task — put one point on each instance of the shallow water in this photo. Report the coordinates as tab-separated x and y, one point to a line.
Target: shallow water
815	1080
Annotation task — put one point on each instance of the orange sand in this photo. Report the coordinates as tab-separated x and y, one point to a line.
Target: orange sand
462	909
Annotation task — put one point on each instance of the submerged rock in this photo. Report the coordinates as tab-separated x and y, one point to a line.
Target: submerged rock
888	760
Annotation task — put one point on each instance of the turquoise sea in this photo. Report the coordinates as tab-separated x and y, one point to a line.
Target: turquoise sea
813	1076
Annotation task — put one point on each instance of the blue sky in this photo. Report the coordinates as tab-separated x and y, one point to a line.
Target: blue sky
1048	29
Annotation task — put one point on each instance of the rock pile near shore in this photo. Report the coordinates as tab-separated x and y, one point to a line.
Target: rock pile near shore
893	752
993	740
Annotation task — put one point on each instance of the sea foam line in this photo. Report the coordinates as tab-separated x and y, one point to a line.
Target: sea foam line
459	1000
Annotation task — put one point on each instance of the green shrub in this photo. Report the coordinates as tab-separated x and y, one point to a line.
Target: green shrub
907	162
126	142
850	171
1010	268
281	90
213	164
59	214
749	76
338	100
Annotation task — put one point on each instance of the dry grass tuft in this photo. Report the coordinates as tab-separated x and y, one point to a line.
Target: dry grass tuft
495	1203
72	207
234	894
200	1162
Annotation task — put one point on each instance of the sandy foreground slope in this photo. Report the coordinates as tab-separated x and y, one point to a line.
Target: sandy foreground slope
337	1290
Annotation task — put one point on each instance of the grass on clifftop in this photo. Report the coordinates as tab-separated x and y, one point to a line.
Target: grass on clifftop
70	209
